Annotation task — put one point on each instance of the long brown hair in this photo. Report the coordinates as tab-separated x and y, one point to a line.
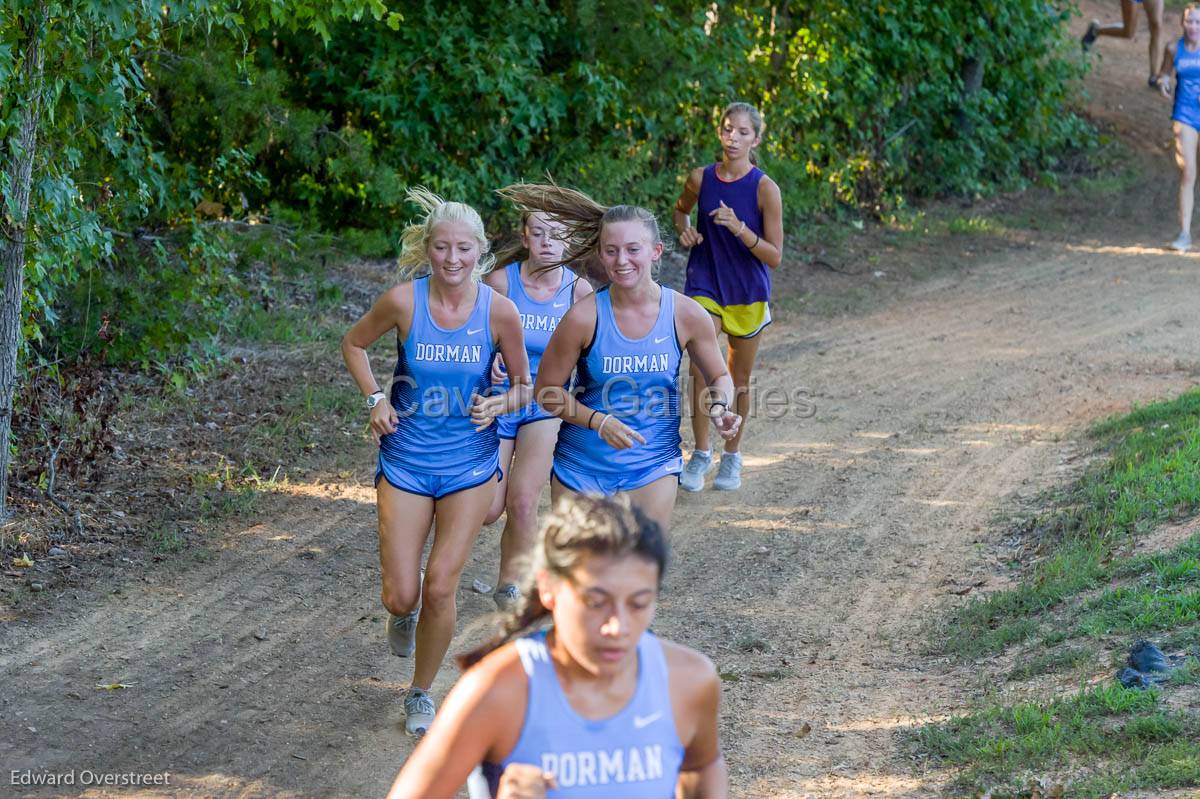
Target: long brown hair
513	250
577	528
582	217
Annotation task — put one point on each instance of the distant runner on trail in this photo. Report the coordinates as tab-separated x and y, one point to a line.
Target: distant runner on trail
438	447
1127	28
621	431
593	706
543	290
1182	59
737	241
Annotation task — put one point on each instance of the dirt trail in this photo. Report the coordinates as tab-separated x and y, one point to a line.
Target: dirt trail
263	671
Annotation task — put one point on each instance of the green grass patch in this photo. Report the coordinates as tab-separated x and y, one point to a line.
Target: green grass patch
1152	475
1053	661
311	414
974	225
1086	594
1123	736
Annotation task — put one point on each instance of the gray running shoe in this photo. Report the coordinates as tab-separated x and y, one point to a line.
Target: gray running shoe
507	596
418	711
402	633
1182	243
700	464
729	478
1089	37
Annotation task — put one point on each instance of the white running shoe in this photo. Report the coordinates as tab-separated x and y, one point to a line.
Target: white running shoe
402	633
692	476
507	596
418	711
729	478
1182	243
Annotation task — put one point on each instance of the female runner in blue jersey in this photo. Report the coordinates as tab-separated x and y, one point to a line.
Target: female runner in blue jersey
439	452
596	705
626	342
1182	59
543	290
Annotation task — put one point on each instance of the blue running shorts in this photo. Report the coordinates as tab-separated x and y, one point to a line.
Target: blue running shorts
607	484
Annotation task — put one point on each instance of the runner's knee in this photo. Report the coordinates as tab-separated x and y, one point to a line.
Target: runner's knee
399	599
522	505
439	588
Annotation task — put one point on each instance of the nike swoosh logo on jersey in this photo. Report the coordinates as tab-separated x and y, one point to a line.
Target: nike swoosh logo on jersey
560	305
642	721
661	340
476	330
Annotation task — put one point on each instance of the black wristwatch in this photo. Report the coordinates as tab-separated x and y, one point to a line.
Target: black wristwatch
375	399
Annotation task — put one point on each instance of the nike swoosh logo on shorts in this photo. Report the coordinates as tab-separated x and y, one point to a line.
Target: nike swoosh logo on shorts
661	340
476	330
478	472
642	721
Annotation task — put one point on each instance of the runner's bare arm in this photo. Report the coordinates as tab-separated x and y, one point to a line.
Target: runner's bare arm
1167	70
498	280
696	696
682	215
392	311
570	338
694	327
768	248
510	338
582	288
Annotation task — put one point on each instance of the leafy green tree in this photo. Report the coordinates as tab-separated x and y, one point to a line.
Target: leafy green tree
74	83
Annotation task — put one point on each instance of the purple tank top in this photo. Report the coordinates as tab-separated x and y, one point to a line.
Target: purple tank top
721	267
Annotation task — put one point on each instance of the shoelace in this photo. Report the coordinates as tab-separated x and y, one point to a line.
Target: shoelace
405	623
418	703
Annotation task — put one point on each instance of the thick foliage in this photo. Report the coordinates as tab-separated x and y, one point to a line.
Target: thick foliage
620	98
164	123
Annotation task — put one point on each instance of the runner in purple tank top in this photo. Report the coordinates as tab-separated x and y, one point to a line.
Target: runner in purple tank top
737	241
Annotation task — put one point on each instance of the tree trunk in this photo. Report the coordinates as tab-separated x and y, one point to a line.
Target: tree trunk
972	78
14	216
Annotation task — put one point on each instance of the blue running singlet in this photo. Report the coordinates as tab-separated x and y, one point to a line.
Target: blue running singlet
538	321
637	381
635	754
1187	86
438	372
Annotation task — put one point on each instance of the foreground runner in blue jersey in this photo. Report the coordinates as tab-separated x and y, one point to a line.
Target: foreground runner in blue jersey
543	290
438	449
596	705
621	431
